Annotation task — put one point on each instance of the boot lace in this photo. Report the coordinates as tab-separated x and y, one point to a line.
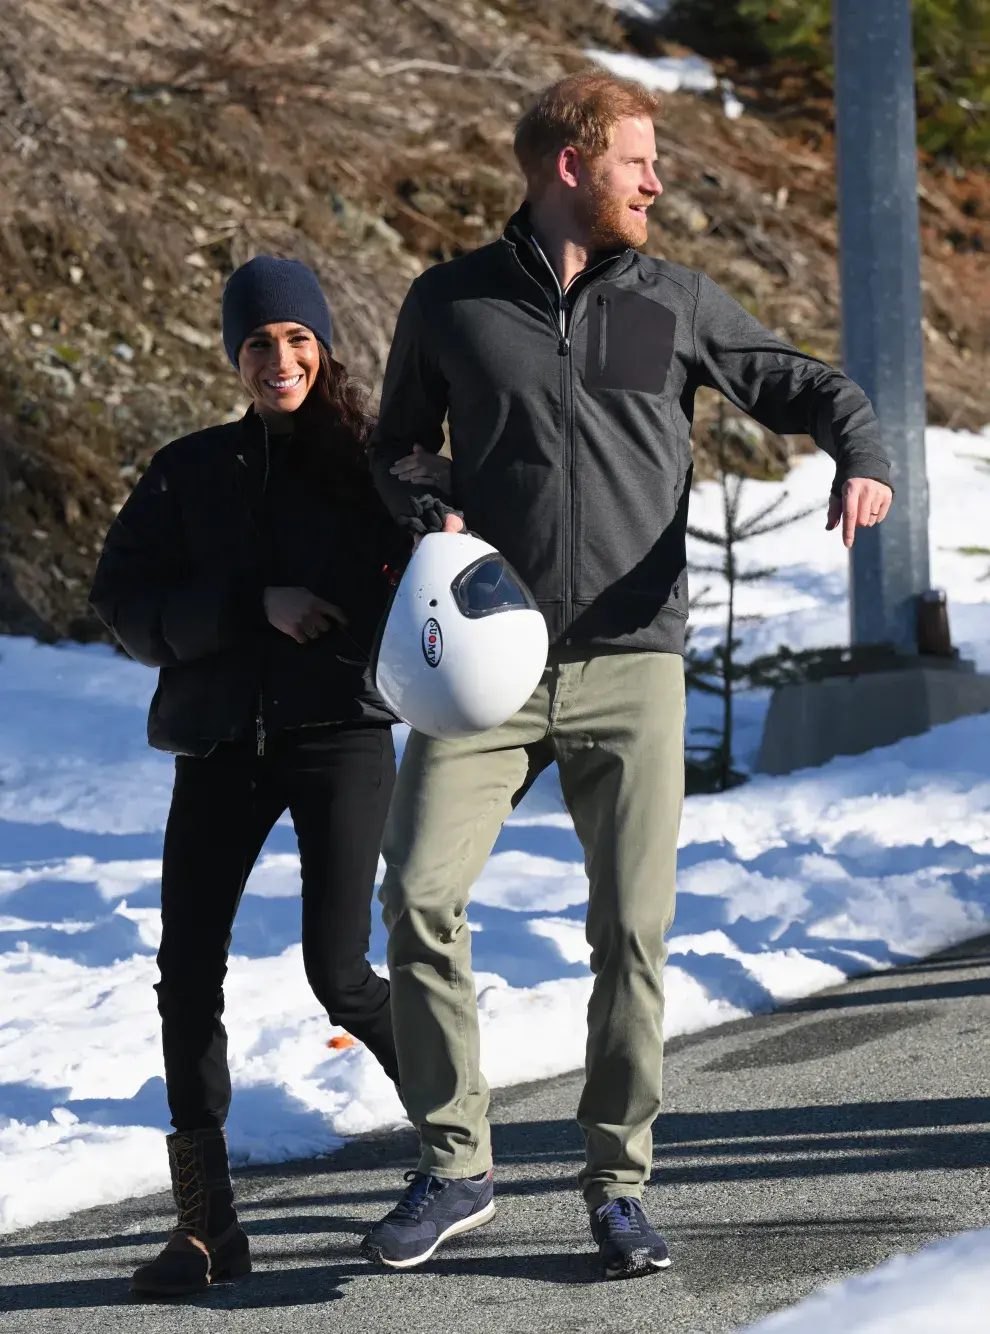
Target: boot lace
189	1187
415	1197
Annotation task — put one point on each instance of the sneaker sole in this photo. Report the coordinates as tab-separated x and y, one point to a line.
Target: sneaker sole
638	1268
455	1230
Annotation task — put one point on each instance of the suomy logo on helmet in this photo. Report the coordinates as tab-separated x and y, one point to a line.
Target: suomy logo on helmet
432	642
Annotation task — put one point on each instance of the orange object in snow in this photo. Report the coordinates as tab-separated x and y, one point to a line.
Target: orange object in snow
342	1042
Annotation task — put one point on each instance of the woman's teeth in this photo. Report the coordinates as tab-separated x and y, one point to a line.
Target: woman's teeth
284	384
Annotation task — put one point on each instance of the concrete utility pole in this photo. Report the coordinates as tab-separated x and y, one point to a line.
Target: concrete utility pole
876	704
876	138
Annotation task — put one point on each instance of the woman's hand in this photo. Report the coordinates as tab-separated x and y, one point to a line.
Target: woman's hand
300	614
423	466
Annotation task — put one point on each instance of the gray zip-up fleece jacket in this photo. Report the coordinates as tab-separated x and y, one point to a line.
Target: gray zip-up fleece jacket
570	416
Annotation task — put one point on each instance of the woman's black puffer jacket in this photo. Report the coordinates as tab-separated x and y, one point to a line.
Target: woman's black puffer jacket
218	516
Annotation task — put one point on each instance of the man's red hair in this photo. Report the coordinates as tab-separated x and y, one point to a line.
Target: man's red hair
580	111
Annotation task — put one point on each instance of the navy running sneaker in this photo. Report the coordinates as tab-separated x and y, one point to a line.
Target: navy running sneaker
431	1210
628	1246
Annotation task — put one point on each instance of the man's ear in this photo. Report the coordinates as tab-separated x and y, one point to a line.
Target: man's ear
569	166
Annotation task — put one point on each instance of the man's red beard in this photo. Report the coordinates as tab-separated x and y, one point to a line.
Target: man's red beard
606	218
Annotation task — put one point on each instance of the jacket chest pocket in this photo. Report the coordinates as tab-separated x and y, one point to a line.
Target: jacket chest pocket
630	341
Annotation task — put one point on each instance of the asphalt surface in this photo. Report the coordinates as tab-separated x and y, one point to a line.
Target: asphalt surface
797	1148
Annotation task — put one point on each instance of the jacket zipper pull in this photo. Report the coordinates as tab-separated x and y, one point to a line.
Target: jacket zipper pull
564	345
260	730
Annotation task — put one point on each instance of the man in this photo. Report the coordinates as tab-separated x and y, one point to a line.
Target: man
565	363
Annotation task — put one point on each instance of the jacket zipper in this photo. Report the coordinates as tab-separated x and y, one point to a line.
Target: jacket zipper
567	472
563	344
602	331
259	722
567	370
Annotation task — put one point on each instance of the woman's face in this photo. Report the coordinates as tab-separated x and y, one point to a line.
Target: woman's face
278	365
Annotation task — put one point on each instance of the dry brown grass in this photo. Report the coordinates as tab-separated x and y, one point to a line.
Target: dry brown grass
147	149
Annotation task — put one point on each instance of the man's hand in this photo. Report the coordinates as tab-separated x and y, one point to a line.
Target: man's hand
300	614
452	524
862	504
423	466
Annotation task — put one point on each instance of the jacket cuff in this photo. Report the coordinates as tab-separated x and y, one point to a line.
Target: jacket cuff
869	466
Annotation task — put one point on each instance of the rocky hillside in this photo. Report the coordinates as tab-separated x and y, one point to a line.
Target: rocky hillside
147	149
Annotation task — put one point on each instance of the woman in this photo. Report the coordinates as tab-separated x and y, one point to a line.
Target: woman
252	564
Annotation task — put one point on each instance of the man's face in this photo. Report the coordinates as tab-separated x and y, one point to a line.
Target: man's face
617	188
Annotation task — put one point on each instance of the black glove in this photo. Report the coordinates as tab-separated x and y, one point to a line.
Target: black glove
429	516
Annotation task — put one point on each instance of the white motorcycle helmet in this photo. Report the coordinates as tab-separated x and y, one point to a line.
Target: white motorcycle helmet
463	646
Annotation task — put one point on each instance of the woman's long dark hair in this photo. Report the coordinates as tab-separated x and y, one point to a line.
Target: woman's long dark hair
333	431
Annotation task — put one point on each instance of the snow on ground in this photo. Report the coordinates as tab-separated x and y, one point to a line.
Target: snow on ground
786	886
805	604
662	74
667	74
943	1289
647	11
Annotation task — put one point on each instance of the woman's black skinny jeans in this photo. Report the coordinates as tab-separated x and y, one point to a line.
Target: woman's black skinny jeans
336	783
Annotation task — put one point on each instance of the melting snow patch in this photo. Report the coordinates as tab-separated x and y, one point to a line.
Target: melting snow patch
662	74
943	1289
647	11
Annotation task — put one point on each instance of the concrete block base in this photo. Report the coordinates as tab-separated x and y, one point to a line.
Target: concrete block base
811	722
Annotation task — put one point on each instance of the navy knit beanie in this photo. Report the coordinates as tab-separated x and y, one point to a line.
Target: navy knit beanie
267	290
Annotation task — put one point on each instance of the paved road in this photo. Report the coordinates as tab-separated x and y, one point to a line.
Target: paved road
796	1148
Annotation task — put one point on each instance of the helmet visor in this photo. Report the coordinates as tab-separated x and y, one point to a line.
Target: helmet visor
488	586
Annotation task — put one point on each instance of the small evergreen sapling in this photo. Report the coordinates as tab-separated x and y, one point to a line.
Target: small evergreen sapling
718	671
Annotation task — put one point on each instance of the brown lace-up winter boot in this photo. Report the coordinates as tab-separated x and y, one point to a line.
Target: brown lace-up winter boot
208	1243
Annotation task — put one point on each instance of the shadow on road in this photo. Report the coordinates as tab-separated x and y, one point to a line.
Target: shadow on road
702	1248
297	1225
280	1288
931	991
309	1285
759	1144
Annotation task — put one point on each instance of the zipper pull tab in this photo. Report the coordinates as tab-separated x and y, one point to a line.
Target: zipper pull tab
260	730
564	344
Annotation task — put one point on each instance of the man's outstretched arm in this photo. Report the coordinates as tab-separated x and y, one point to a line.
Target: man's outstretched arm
793	393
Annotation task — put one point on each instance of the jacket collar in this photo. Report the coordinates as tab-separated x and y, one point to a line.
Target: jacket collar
518	234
